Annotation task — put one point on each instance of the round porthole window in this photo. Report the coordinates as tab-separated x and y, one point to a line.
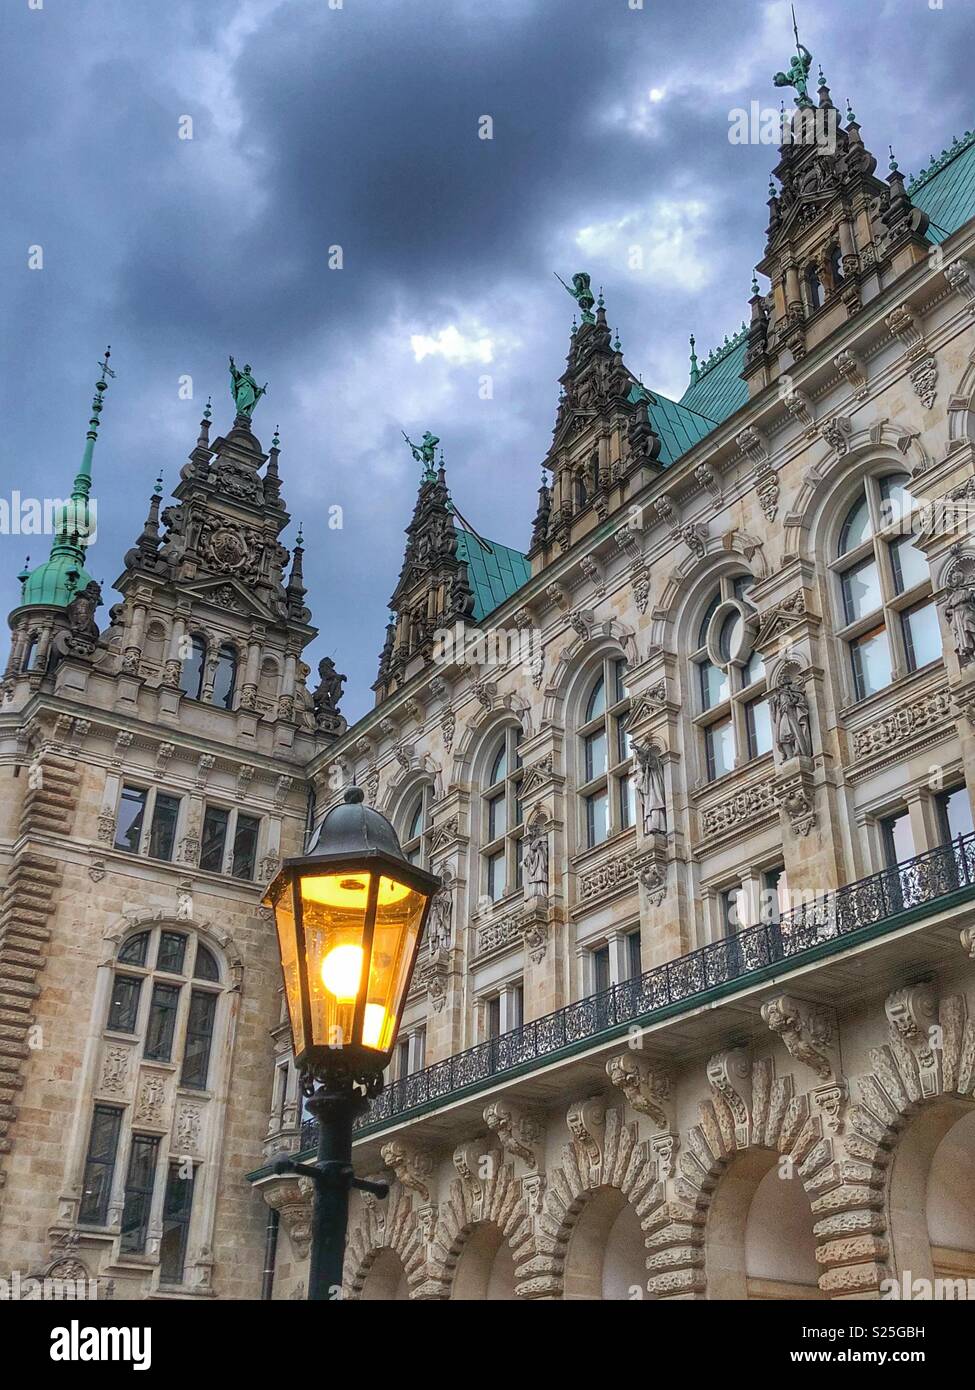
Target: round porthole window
731	634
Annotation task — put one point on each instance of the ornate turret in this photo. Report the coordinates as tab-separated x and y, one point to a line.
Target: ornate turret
433	591
55	582
59	598
836	231
603	439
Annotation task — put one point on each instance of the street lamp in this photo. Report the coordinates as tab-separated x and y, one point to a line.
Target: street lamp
349	916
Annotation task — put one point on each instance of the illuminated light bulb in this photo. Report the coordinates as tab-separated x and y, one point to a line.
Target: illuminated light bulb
342	971
350	891
373	1024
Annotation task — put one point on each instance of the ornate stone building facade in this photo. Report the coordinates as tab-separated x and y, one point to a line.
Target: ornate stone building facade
695	1014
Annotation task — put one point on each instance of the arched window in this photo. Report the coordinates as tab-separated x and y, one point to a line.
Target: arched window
605	759
836	266
162	1027
194	668
731	709
415	838
225	676
814	287
882	588
29	649
502	820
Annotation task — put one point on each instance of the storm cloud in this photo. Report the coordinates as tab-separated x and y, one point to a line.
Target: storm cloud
360	127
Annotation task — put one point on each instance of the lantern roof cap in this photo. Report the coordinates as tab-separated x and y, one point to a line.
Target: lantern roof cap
353	828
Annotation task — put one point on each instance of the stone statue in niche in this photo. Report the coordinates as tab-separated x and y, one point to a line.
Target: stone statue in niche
960	612
441	912
650	783
535	859
790	719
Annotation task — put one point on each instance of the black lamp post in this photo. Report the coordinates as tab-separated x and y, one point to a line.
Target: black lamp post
349	916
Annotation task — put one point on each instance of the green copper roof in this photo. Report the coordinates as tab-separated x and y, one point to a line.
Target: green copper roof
679	428
493	574
59	578
56	581
945	190
719	390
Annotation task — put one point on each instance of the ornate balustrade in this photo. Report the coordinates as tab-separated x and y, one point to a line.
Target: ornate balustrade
825	923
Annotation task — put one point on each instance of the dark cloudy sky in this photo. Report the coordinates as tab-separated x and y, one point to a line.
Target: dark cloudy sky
358	126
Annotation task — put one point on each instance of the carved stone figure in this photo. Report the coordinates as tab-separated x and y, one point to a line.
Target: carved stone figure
441	912
80	612
960	612
329	690
535	860
650	783
790	719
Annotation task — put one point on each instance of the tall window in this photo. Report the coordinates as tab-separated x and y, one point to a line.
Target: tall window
165	993
732	710
140	807
605	757
886	615
225	677
502	820
416	825
814	288
194	668
223	827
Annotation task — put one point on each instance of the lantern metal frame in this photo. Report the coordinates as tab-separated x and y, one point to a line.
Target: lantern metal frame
358	840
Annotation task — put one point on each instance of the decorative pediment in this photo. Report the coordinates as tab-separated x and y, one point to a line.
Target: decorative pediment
230	595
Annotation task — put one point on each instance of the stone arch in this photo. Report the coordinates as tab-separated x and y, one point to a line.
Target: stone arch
383	1227
134	922
887	441
918	1070
751	1111
618	1163
578	656
693	575
475	737
474	1202
961	408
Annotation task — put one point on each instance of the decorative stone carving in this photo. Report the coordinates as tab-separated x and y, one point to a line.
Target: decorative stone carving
476	1161
493	935
849	366
115	1071
586	1120
922	367
648	1088
959	276
795	795
410	1164
913	1016
743	808
439	929
806	1029
836	432
905	723
730	1078
518	1131
186	1130
533	925
606	878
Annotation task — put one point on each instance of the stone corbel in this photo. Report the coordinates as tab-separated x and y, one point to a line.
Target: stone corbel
651	869
586	1120
765	480
476	1162
831	1103
410	1165
795	796
807	1030
921	364
291	1198
647	1088
519	1132
851	369
533	925
798	405
912	1013
706	477
730	1079
968	942
960	278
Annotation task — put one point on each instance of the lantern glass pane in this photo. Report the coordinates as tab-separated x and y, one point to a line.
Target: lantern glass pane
333	910
284	917
399	914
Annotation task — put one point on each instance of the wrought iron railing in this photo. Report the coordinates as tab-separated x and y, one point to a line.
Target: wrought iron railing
827	918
